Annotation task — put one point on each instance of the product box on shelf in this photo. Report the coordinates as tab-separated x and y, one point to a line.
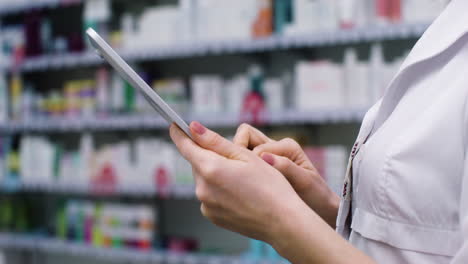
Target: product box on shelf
207	94
319	85
15	214
351	84
4	102
3	157
108	225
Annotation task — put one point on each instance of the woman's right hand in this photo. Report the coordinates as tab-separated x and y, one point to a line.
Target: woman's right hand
288	158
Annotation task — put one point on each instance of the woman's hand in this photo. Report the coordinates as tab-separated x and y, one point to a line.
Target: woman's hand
288	157
238	190
241	192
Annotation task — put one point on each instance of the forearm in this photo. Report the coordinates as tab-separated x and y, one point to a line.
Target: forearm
302	236
326	206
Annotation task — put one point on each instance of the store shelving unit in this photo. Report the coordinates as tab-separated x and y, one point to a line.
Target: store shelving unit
51	246
137	191
24	5
224	47
148	121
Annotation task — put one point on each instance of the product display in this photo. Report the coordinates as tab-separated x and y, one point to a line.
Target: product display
352	84
142	163
11	164
412	11
97	14
210	20
13	43
328	85
146	163
36	37
3	98
108	224
207	94
15	214
88	173
109	94
3	156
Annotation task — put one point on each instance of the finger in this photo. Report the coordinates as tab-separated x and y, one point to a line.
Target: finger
204	211
213	215
287	148
295	174
187	148
249	137
210	140
196	175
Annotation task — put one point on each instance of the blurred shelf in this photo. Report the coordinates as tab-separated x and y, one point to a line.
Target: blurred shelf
55	246
142	122
226	47
23	5
177	191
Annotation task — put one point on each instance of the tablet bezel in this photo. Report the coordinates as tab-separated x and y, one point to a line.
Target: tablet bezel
111	56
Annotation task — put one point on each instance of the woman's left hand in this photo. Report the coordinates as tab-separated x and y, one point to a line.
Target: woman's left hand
238	190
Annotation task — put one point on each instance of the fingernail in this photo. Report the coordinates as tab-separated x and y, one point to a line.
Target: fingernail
198	128
268	158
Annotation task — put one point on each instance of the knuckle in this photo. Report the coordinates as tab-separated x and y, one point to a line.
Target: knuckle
210	171
204	211
291	145
289	141
283	164
242	131
209	214
265	148
201	194
258	150
244	127
214	140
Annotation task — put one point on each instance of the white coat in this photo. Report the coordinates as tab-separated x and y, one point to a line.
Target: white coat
406	200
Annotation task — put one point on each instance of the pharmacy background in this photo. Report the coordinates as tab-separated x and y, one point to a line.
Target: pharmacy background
87	171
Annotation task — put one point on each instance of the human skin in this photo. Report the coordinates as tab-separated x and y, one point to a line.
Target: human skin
241	192
288	158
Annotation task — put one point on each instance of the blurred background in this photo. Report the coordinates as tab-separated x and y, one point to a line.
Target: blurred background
87	171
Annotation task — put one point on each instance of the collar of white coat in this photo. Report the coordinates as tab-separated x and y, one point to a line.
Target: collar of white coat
450	26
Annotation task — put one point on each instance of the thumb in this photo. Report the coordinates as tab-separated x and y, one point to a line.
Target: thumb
210	140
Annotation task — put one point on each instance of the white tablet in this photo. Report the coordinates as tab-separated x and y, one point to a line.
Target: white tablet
107	53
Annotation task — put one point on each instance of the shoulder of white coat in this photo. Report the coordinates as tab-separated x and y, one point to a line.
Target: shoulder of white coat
450	26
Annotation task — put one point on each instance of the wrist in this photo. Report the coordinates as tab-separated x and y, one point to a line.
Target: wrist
324	202
302	236
333	204
286	225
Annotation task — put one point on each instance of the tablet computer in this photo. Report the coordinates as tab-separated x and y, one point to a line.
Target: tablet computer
107	53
